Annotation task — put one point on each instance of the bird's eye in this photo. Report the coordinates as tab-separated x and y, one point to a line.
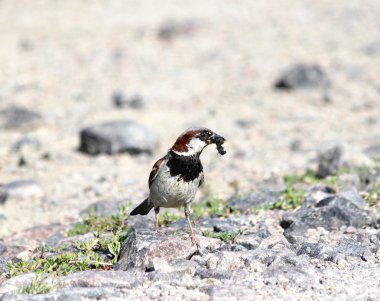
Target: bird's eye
204	135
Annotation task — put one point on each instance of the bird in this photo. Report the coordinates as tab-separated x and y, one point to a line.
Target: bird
176	177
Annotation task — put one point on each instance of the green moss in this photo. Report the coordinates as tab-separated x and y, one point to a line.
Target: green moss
223	236
100	224
87	257
373	197
212	207
36	287
291	198
167	218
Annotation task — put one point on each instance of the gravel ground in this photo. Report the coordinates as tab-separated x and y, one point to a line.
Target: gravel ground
211	63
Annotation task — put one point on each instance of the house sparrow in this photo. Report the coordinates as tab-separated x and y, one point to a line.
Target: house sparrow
175	178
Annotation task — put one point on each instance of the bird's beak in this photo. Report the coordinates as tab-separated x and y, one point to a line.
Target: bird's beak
217	139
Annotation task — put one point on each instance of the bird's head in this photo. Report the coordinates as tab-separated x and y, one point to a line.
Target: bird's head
194	140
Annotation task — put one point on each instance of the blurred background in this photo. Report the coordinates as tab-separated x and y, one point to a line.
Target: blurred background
281	80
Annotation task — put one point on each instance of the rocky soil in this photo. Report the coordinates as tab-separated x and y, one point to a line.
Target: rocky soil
93	92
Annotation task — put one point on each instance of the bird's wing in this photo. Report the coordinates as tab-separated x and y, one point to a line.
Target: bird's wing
155	169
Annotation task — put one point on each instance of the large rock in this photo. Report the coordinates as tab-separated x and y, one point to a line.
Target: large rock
253	200
142	249
117	137
69	294
115	279
14	117
330	213
302	76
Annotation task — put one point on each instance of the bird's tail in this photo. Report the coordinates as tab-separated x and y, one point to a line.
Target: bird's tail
143	208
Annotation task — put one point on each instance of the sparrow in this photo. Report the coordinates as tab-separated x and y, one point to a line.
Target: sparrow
176	177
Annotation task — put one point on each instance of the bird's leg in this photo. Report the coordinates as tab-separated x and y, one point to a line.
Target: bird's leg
156	211
193	238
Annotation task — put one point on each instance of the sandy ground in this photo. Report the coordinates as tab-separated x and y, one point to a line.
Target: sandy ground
64	59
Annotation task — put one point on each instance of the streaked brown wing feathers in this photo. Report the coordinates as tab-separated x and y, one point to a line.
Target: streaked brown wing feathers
155	169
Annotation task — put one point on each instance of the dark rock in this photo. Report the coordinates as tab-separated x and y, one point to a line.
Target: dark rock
15	117
3	195
117	137
330	213
121	100
329	161
173	28
140	249
253	200
3	248
303	76
115	279
250	242
219	225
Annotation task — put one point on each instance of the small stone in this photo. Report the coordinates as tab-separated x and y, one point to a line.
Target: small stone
212	262
117	137
329	161
302	76
121	100
26	141
14	117
173	28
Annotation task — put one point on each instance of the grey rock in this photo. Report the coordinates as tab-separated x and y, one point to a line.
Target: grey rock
21	189
117	137
372	49
26	141
3	248
104	207
14	117
115	279
330	213
140	249
219	225
354	197
253	200
351	180
121	100
204	273
303	76
283	267
344	248
250	242
3	266
329	161
69	294
16	283
228	292
171	29
373	151
290	270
